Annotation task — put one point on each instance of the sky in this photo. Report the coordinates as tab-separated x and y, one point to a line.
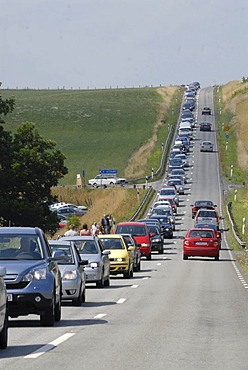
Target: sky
122	43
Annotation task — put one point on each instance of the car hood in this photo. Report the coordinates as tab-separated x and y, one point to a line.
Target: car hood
118	253
91	257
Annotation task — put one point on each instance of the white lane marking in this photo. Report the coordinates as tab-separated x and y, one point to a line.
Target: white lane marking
187	200
121	300
159	264
145	278
164	258
134	286
100	316
50	346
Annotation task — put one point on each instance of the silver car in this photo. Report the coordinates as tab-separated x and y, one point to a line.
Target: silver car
3	311
72	271
207	146
90	248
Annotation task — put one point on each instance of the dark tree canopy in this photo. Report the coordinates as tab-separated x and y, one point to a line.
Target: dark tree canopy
29	167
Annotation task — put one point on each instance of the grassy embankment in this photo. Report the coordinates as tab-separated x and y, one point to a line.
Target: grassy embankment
232	101
101	129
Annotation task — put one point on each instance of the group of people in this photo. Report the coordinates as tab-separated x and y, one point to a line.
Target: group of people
106	227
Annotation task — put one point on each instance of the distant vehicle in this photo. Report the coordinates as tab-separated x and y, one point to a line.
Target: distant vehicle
213	227
157	238
166	224
207	146
206	110
179	185
201	243
64	205
69	211
3	311
169	192
184	159
180	172
107	181
205	126
72	271
204	215
207	204
32	279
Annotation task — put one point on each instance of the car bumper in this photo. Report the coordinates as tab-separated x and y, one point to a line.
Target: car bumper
145	251
157	246
70	289
118	268
201	252
28	303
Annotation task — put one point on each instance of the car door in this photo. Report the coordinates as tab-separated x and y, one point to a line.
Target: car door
105	259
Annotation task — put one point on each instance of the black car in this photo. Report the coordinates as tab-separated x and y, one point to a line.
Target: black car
166	225
157	238
205	126
33	279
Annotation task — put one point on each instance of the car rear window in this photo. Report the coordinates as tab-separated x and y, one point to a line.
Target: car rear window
201	234
131	229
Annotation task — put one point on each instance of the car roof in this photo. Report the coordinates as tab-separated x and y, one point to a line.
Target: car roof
20	230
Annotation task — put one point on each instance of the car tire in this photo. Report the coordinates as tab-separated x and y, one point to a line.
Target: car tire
48	317
129	273
161	250
149	257
107	281
100	283
185	257
217	258
139	266
57	311
4	334
78	301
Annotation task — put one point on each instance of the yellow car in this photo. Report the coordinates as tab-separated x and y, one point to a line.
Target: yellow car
121	257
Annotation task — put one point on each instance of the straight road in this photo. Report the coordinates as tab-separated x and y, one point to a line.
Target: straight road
173	314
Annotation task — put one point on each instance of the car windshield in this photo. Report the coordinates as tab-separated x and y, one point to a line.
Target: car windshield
20	247
86	246
207	214
131	229
204	204
66	249
153	229
201	234
112	243
167	192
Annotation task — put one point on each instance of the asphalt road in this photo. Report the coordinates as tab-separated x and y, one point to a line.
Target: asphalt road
173	314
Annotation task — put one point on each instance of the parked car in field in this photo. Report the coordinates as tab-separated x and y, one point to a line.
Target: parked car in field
72	271
69	211
140	232
207	146
106	181
3	311
200	243
121	259
207	204
64	204
206	110
32	279
91	248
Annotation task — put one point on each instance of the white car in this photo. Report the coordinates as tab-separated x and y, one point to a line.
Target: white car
65	205
105	181
3	311
207	146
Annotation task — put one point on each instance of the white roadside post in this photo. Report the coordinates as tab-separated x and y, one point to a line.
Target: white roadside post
235	195
231	172
152	172
243	226
226	145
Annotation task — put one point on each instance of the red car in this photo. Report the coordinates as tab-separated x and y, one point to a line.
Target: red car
140	232
201	243
207	204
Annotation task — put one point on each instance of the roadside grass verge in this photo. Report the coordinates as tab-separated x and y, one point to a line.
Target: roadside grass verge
95	129
119	202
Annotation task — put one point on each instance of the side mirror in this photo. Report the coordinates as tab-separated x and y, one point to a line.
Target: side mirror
152	235
131	249
83	262
106	252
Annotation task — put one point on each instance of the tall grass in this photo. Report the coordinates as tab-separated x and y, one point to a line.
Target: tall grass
95	129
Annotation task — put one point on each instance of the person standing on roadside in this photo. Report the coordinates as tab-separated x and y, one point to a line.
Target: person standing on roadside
105	224
72	231
85	230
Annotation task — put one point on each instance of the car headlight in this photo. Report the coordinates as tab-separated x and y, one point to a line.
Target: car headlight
156	240
167	229
145	245
120	259
94	264
39	274
70	275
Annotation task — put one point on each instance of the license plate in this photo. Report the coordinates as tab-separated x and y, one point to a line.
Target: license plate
10	297
201	243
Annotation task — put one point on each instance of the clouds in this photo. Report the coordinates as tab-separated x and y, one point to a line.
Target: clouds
98	43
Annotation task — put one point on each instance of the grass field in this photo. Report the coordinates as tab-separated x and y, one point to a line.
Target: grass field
95	129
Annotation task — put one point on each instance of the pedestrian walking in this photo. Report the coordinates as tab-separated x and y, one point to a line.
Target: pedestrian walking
72	231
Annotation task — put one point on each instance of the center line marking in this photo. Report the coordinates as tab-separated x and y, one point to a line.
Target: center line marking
121	300
134	286
158	264
100	315
50	346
